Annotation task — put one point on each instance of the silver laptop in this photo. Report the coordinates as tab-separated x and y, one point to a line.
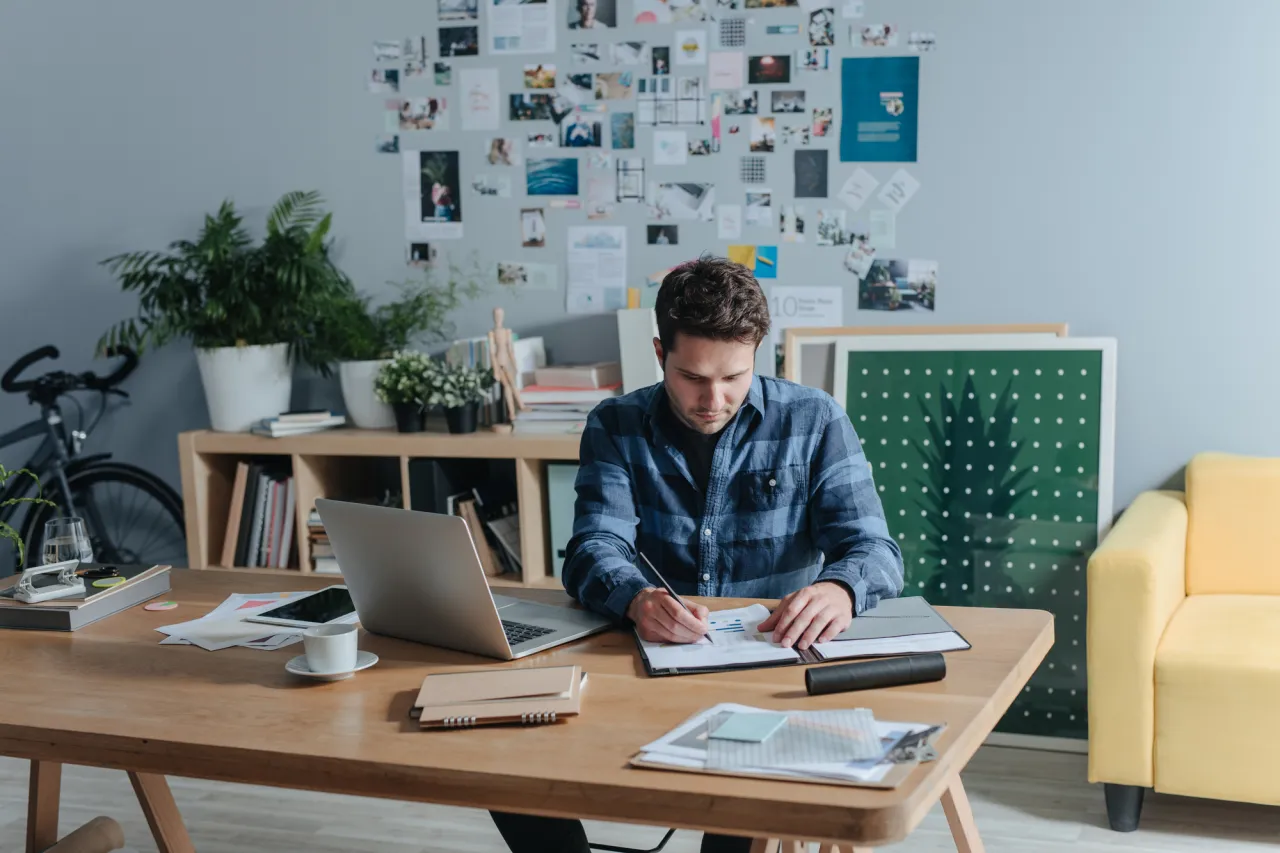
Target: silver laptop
416	576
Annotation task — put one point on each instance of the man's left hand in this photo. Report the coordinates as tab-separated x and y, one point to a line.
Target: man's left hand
811	615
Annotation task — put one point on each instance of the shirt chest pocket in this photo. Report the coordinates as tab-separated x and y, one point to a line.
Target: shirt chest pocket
774	488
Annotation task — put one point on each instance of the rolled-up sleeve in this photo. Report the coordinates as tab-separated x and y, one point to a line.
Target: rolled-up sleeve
848	521
599	567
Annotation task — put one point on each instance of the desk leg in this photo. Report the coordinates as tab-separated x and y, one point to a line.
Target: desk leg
162	813
42	805
955	802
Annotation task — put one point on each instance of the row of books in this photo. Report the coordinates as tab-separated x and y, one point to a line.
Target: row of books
260	524
530	354
562	396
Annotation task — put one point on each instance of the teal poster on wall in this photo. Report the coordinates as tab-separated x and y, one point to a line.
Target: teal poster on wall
880	109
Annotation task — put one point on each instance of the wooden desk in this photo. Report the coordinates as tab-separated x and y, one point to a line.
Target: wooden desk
110	696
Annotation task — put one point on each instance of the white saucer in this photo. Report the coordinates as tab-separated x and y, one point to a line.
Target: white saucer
298	666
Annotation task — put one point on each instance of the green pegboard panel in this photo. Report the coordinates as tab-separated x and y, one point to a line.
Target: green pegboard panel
989	464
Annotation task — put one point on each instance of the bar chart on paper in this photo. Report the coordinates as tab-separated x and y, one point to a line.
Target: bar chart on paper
728	625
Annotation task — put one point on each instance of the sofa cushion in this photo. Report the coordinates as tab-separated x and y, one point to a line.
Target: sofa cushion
1217	691
1233	526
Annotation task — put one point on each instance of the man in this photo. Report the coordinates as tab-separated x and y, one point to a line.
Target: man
734	485
587	16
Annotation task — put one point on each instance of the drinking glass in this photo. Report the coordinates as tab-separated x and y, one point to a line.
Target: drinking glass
66	539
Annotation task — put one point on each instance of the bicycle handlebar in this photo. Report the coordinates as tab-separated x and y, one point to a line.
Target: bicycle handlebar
9	381
66	382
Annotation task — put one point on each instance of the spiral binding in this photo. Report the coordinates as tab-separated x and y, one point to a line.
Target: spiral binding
538	717
458	722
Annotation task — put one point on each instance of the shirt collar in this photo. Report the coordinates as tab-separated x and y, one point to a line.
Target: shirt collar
755	399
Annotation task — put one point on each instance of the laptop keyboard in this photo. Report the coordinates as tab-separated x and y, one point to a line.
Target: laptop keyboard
518	632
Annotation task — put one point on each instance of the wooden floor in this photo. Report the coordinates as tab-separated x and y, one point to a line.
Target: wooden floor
1023	800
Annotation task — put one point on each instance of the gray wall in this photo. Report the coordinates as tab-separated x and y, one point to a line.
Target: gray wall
1105	164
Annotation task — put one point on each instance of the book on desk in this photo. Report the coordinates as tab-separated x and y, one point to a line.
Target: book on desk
141	583
896	626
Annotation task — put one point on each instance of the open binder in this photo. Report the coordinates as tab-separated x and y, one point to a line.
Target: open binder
499	696
894	627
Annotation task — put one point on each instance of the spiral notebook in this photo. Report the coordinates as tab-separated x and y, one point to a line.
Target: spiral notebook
499	696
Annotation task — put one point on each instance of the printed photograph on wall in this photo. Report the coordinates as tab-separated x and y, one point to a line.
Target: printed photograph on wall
504	151
763	134
759	209
814	59
661	60
420	114
699	147
663	235
766	70
421	255
875	35
387	50
387	144
585	54
494	186
592	14
831	226
684	201
541	140
580	131
691	47
384	81
459	41
821	121
533	228
531	107
443	74
811	174
458	10
794	134
822	27
791	223
614	85
787	100
552	176
744	102
628	53
769	4
540	76
440	186
670	11
899	286
921	42
630	179
622	129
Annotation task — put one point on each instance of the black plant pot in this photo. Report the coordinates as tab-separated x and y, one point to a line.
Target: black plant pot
410	417
462	418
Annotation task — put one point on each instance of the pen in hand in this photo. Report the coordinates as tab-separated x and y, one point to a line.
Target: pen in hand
669	590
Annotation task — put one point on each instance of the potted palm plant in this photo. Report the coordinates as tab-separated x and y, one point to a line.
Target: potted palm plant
404	383
7	530
252	310
460	390
364	338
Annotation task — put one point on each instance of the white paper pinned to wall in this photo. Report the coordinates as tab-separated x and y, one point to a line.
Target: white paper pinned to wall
858	188
899	190
728	221
480	98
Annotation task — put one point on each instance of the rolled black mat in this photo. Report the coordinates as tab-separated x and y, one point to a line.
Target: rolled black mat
883	672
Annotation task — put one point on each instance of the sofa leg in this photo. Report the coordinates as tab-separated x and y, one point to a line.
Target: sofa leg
1124	806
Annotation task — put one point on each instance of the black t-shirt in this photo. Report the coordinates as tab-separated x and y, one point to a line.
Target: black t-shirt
698	448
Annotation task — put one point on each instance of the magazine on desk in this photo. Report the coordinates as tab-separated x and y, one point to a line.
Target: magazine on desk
896	626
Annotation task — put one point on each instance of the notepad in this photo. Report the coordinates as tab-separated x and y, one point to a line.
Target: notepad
496	696
751	728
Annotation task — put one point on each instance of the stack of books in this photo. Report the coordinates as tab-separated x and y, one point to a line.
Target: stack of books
322	559
561	397
260	519
531	353
297	423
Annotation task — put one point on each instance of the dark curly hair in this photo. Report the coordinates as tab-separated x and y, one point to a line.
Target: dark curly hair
711	298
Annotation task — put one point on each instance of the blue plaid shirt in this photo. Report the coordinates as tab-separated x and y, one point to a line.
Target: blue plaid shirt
790	501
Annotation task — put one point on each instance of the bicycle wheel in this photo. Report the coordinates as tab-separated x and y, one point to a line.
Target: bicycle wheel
132	516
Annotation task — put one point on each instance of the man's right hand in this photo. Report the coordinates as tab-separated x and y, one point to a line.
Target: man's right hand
660	618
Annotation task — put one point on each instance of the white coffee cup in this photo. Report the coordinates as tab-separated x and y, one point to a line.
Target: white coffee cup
330	648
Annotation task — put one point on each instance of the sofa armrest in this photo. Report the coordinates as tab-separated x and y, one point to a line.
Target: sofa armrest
1136	580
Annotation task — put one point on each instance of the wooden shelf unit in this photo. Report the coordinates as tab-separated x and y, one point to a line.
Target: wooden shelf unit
327	463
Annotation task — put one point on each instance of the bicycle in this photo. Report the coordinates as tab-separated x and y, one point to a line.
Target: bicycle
132	516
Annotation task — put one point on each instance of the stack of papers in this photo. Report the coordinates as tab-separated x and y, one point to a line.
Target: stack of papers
224	626
688	747
737	641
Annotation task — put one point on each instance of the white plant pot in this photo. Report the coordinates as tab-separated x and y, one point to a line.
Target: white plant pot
243	385
364	409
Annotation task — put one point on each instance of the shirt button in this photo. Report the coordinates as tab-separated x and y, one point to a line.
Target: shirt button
773	482
706	532
706	577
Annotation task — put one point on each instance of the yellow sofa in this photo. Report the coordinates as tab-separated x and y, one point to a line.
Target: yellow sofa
1184	641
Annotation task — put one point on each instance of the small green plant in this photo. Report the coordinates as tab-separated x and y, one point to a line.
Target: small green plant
408	378
6	530
453	386
357	331
223	290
